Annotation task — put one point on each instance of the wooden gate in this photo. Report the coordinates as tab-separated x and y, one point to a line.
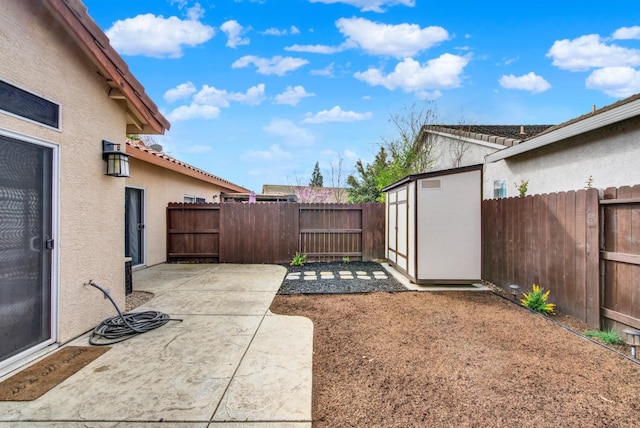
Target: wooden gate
620	255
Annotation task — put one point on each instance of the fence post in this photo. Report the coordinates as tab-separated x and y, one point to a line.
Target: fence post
593	258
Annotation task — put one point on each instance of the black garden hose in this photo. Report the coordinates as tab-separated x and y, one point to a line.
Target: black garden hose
125	326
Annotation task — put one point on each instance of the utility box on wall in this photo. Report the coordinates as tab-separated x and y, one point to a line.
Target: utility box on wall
433	226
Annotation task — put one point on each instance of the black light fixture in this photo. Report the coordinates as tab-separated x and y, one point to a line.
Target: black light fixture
117	161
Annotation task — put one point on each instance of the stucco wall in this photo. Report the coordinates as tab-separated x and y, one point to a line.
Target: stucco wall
36	54
447	150
162	186
610	156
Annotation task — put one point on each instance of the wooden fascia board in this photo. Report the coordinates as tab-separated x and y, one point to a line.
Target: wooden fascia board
150	158
103	58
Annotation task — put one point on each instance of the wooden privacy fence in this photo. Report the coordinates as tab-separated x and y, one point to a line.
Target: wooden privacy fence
620	256
551	240
583	247
273	232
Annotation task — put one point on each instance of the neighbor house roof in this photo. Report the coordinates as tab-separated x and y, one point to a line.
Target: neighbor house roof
140	151
608	115
503	135
143	116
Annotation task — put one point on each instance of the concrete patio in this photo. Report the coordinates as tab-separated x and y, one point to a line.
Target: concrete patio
230	363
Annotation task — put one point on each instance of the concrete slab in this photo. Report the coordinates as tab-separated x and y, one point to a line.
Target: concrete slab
415	287
275	352
183	373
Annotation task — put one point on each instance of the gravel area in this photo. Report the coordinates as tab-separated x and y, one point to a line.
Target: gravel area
338	278
136	299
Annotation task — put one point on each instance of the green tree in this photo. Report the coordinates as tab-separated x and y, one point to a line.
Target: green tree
316	177
365	187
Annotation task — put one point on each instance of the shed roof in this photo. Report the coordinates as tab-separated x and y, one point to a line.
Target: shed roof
138	150
143	116
440	173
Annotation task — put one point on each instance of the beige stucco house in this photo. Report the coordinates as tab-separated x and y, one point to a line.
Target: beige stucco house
63	92
598	149
157	179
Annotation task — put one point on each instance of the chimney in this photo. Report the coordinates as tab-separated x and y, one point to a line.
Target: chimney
522	130
593	108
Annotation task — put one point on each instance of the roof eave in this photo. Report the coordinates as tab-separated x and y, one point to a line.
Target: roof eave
618	114
143	116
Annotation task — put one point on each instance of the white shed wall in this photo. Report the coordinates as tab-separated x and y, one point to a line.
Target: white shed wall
449	228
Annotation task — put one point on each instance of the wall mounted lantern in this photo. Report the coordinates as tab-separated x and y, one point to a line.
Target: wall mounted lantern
514	290
117	161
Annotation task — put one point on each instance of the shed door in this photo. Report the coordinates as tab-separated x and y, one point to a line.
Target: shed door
25	246
397	233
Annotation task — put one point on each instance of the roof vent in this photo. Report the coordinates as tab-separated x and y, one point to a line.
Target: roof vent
593	108
156	147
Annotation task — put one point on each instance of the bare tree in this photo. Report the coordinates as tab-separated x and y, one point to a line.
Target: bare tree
459	146
413	147
337	179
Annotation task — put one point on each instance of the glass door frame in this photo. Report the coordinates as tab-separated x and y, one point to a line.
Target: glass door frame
37	350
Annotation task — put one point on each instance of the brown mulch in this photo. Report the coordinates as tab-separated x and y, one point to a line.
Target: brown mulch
441	359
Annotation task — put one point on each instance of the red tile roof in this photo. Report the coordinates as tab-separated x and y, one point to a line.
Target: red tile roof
138	150
143	116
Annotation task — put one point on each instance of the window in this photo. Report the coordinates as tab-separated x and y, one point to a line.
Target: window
29	106
191	198
500	188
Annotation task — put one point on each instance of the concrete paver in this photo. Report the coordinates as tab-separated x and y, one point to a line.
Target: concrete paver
229	363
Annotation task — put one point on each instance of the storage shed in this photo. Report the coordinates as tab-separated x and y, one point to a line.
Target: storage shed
433	226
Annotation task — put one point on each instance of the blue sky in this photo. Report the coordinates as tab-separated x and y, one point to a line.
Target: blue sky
258	91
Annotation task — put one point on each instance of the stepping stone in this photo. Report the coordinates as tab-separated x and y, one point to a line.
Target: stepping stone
293	276
310	273
326	277
310	278
345	272
378	272
360	272
346	276
326	273
364	277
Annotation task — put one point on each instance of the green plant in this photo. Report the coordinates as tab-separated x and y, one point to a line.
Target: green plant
589	182
537	300
608	336
346	259
522	187
298	259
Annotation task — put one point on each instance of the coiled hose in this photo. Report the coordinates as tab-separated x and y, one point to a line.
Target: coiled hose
125	326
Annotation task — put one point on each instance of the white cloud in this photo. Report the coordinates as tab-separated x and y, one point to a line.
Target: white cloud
273	31
194	111
327	71
627	33
277	65
180	92
586	52
336	114
274	153
292	134
209	95
403	40
196	12
411	76
350	154
157	37
234	31
369	5
319	49
616	82
292	95
429	96
527	82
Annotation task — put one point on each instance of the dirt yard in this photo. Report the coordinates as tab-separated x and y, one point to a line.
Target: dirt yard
453	359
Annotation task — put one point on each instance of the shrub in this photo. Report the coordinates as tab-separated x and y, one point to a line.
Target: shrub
608	336
298	259
522	187
537	300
